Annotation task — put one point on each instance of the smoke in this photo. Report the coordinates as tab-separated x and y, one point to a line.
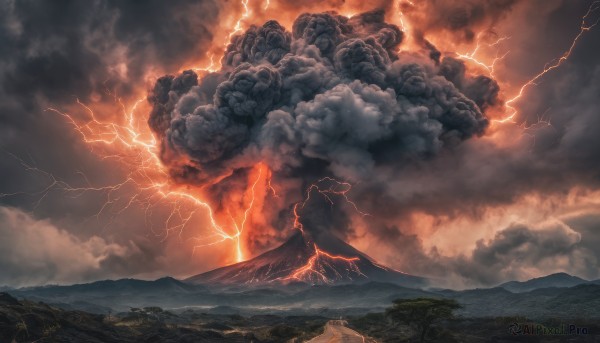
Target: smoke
332	98
53	53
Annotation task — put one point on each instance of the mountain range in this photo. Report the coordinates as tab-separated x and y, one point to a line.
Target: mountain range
552	280
319	299
317	275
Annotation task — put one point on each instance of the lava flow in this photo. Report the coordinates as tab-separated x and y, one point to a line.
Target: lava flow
323	267
321	264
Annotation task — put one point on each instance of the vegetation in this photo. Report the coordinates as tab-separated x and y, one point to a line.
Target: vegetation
395	325
422	312
404	321
28	321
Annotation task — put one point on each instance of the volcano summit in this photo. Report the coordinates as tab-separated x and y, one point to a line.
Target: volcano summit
324	259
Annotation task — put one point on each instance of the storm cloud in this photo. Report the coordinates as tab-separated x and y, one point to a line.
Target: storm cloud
517	252
332	96
326	95
53	54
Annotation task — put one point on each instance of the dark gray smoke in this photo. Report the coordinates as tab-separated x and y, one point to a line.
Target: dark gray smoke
331	98
53	52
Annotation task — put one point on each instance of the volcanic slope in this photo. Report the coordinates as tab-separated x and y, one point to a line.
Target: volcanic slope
321	260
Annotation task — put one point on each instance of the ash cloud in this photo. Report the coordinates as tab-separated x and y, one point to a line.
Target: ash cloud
399	126
54	52
331	98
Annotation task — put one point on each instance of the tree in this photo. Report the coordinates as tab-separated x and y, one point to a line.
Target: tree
422	312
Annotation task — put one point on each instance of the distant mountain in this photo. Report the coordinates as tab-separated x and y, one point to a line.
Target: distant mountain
553	280
327	300
101	296
116	287
310	260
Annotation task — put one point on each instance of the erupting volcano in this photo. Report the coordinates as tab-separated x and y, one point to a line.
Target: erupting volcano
324	123
322	259
328	103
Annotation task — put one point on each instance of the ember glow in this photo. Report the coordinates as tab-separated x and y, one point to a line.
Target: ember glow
314	271
342	117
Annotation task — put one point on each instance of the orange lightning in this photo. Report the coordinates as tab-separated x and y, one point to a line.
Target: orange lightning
136	148
399	5
133	144
212	67
584	27
240	228
321	261
488	67
331	190
238	25
270	186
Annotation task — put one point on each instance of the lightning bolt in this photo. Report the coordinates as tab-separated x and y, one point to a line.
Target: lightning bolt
471	56
134	145
316	267
583	28
339	188
238	25
131	143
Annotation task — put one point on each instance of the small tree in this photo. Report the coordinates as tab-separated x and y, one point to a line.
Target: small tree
422	312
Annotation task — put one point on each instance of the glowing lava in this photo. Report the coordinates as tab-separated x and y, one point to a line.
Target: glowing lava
321	263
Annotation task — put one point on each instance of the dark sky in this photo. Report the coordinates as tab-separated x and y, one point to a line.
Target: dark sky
493	202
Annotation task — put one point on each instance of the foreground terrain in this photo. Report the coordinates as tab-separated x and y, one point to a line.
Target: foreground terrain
28	321
337	332
169	310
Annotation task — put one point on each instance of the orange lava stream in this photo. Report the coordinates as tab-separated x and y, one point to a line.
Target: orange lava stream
316	264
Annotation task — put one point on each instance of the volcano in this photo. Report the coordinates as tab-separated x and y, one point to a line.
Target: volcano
304	259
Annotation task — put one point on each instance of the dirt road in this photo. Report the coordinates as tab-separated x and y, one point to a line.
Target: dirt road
336	332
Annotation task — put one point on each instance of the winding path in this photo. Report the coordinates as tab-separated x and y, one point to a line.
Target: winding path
336	332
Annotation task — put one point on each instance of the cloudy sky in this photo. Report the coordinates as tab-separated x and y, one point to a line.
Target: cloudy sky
122	123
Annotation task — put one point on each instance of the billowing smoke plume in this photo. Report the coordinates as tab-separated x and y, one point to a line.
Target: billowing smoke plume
335	97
